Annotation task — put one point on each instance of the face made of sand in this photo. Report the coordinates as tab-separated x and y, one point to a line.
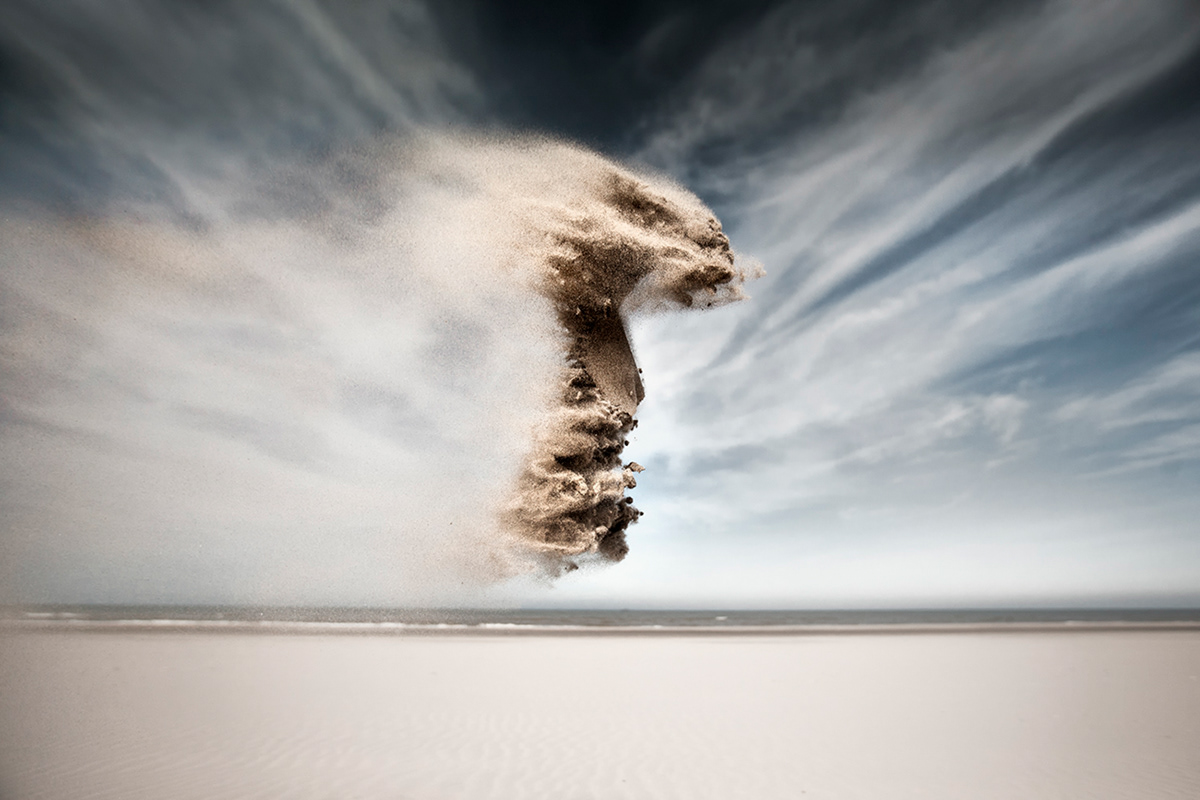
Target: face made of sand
624	240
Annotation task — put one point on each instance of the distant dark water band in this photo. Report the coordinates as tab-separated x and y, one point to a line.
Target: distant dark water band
313	628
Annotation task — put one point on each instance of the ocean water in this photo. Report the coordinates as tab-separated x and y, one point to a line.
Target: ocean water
451	620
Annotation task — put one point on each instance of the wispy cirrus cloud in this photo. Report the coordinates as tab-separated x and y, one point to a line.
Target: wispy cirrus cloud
978	262
245	356
968	374
141	101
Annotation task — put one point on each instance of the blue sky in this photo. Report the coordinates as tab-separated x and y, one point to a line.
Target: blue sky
970	375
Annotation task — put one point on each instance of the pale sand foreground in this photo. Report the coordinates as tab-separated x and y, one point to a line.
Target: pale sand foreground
954	715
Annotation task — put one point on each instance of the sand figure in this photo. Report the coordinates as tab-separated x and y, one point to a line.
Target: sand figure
626	241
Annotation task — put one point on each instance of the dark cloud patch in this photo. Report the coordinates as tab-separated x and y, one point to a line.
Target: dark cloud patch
1097	211
1007	188
1087	361
1160	311
106	100
589	70
1108	204
796	74
1097	181
1167	106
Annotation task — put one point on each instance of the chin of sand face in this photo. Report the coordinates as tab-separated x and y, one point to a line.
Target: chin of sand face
409	364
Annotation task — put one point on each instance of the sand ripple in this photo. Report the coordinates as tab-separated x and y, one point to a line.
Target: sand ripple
982	715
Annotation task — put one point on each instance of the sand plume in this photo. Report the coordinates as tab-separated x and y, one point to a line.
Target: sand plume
605	241
416	349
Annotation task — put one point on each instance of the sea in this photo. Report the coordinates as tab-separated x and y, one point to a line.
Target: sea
325	620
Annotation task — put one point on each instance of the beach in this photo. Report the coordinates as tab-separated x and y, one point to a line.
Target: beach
962	713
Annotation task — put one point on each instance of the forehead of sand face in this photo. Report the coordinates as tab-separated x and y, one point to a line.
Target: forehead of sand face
546	188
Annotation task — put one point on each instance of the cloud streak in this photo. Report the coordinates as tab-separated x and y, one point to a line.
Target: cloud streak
140	101
969	370
203	398
975	267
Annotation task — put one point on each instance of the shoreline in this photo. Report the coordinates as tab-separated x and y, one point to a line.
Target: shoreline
504	629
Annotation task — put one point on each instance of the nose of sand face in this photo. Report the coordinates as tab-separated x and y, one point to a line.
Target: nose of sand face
608	358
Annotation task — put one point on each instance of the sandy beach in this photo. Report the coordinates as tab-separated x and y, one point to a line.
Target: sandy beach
983	714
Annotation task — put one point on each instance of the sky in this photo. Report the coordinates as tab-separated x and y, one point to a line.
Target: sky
238	365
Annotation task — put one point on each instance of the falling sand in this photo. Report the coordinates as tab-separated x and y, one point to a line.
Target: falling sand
600	242
415	350
620	234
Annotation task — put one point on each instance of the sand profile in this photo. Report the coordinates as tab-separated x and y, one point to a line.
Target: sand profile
606	239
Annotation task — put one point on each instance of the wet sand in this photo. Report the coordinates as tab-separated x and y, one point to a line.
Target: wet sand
961	714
